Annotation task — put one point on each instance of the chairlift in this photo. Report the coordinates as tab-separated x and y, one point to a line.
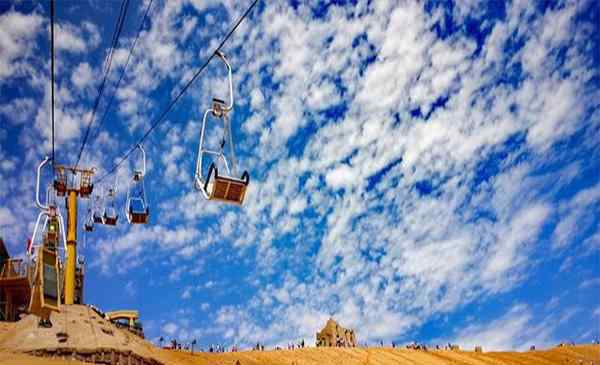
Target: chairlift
88	225
136	205
45	292
110	216
222	186
97	210
85	183
60	181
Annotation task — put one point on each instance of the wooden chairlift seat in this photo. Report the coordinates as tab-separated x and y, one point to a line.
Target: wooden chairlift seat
97	218
226	188
138	217
60	181
110	220
86	190
85	186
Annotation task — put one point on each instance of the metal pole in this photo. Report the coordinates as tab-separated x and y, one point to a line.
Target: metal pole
71	247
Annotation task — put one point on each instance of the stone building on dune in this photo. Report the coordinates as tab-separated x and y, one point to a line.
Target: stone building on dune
334	335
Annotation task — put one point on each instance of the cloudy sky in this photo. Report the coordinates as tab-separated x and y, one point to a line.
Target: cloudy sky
419	170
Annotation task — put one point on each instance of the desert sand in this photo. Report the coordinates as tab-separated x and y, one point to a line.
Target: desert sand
576	355
86	330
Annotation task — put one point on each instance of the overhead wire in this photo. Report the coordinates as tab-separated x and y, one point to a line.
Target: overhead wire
116	88
52	69
108	64
162	116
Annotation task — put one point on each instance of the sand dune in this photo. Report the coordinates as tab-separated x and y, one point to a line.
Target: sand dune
87	331
576	355
585	354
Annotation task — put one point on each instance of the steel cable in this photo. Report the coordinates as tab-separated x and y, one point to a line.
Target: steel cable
162	116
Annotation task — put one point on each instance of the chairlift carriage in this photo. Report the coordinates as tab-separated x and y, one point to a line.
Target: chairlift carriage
110	216
60	181
219	185
136	205
45	292
85	183
97	210
88	225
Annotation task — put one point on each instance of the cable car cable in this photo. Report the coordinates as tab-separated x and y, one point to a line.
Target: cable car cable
52	69
112	97
162	116
116	36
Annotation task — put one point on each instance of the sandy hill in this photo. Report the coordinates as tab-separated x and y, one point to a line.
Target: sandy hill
80	333
576	355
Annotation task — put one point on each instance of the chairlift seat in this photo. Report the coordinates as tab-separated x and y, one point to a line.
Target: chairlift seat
60	187
85	190
60	182
138	217
98	218
218	107
225	188
85	186
110	220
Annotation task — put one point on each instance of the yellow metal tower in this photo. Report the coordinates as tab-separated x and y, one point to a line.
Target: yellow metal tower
78	185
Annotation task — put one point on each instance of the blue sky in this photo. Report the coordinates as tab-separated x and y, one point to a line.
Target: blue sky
419	171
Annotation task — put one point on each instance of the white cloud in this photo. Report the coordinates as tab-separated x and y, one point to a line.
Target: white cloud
169	328
341	176
17	32
574	216
6	217
82	76
589	283
130	289
187	293
18	111
515	330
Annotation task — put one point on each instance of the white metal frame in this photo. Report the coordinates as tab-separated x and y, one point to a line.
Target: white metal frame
138	178
109	199
48	210
219	110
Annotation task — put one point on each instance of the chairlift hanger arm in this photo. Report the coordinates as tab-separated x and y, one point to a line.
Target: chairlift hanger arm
143	159
221	55
38	202
35	229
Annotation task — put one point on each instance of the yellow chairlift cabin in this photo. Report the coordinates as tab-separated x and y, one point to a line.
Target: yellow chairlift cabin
45	292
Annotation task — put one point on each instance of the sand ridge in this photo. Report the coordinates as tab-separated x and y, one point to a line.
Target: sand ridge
575	355
80	327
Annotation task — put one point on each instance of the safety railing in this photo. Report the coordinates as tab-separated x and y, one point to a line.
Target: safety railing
15	269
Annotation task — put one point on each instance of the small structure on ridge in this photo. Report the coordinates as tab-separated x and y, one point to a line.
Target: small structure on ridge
334	335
